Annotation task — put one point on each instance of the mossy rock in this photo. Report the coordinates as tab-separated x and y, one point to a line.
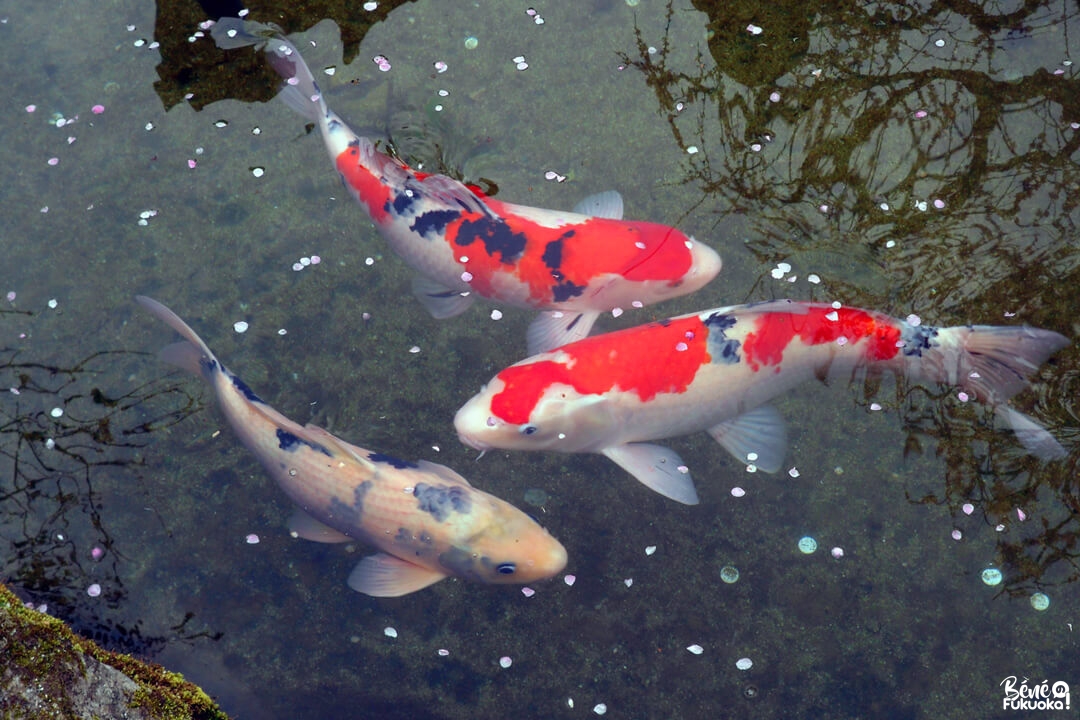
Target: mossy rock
47	671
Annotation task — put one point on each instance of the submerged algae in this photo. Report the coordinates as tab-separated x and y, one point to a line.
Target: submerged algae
49	671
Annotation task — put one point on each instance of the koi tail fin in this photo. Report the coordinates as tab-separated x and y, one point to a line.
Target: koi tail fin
190	354
301	92
231	32
991	364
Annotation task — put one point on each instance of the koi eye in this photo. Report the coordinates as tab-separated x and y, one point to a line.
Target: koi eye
527	429
490	421
507	568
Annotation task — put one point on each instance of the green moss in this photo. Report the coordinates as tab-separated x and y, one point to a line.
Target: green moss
42	653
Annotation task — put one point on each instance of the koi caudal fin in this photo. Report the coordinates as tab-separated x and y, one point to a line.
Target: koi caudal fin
301	92
991	364
189	354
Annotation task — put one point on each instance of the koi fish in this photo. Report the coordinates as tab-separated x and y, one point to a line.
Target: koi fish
427	520
715	371
570	265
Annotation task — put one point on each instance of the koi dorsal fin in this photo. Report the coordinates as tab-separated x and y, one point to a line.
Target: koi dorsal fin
316	434
443	472
449	191
608	205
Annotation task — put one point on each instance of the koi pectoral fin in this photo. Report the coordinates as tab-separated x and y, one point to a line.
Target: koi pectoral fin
658	468
758	436
439	300
382	575
554	329
303	525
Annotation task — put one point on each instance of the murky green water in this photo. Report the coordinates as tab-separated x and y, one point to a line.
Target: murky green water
916	159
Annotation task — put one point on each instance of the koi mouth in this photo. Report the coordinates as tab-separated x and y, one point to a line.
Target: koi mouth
474	444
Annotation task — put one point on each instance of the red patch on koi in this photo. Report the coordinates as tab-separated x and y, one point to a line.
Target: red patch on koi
614	361
375	195
636	251
773	332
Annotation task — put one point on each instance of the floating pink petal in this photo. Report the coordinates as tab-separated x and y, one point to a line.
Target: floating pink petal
968	508
97	109
94	590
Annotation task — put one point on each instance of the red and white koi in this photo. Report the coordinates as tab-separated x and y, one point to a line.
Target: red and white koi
427	520
571	265
716	370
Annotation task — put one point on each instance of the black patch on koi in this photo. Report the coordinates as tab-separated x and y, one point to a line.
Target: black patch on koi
720	322
440	500
392	461
918	338
289	442
353	513
566	290
497	237
458	562
722	349
404	201
552	256
209	366
434	222
244	389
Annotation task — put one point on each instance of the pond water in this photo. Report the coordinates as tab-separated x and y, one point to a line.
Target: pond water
910	158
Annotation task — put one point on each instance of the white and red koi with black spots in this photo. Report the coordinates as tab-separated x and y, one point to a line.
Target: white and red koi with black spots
572	265
715	370
427	520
